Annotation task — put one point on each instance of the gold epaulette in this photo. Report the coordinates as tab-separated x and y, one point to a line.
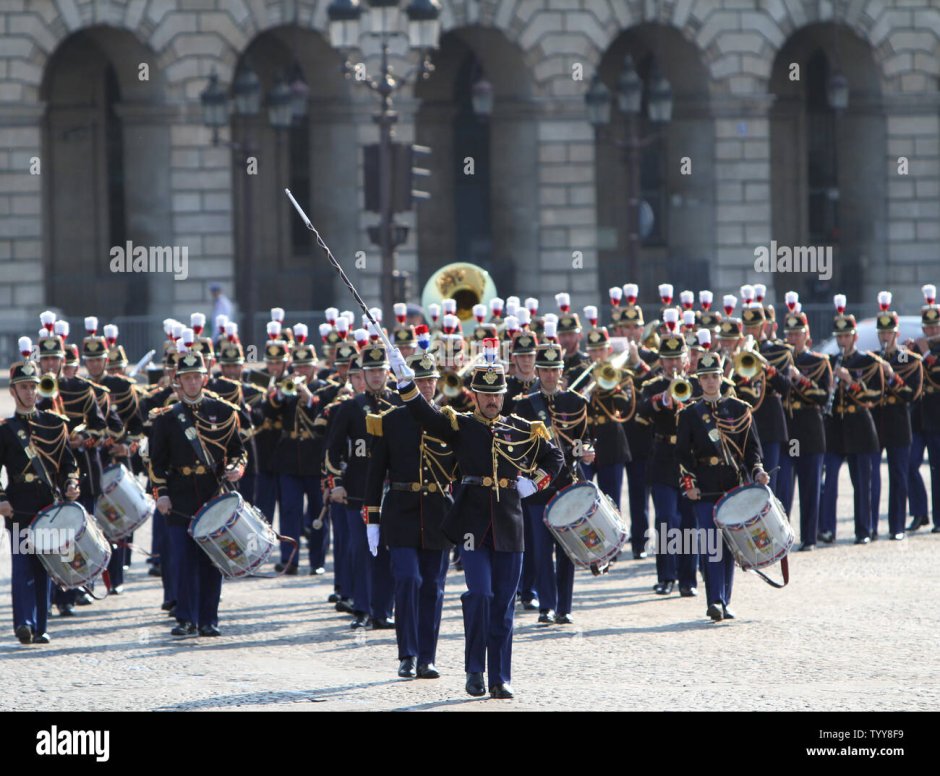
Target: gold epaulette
538	429
57	415
451	414
374	424
157	411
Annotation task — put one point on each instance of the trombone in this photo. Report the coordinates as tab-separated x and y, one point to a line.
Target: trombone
451	380
607	374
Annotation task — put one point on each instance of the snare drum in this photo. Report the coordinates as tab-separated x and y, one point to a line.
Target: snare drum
69	544
123	505
755	525
586	524
234	535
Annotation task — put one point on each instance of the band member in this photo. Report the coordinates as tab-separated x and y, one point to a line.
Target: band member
195	448
569	337
903	376
661	400
564	414
718	450
40	469
347	462
501	460
802	460
268	434
850	430
926	417
419	469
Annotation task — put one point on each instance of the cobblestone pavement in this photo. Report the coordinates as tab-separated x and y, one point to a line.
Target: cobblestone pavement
856	629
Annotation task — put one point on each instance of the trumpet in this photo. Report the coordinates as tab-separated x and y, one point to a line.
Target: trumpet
680	389
291	384
48	386
451	381
607	374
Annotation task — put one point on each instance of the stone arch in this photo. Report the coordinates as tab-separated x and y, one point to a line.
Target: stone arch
98	191
511	198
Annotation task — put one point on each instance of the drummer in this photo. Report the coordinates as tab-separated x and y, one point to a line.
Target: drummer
35	481
718	450
195	452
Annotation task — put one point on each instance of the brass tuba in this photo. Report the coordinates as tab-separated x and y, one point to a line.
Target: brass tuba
466	283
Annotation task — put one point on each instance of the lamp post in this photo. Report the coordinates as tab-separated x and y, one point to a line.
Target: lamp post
386	22
216	111
630	104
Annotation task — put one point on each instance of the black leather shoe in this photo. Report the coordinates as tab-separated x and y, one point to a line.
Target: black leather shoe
42	638
827	537
428	671
66	611
209	630
688	592
291	571
531	606
727	613
172	611
25	634
547	618
83	599
475	685
874	537
383	623
345	605
406	668
184	630
641	555
501	691
936	529
361	621
155	571
898	537
806	547
334	598
664	588
116	590
167	605
863	540
918	522
563	619
714	611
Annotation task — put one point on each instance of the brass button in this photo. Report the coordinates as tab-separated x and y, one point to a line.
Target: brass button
415	487
488	481
432	488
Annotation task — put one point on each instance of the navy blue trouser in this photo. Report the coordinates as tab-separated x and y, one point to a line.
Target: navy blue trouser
771	454
342	577
318	543
808	470
266	494
419	599
875	492
673	513
554	571
916	491
292	489
157	538
860	467
717	566
898	466
31	588
199	582
527	579
638	493
373	588
116	564
246	486
492	578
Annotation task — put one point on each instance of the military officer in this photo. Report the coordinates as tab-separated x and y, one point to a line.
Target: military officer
40	468
501	460
195	448
415	469
718	450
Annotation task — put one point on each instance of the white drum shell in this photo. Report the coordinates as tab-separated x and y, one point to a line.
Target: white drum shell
123	505
79	554
586	524
234	535
755	526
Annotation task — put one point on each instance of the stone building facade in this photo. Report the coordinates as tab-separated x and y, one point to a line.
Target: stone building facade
102	142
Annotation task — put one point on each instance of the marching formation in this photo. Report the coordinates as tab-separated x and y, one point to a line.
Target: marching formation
498	438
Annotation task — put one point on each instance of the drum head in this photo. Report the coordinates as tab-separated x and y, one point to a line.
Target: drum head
215	514
742	504
57	526
573	502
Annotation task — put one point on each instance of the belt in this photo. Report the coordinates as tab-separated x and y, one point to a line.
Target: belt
851	410
189	471
599	421
930	389
710	460
300	435
663	438
29	477
487	482
415	487
891	400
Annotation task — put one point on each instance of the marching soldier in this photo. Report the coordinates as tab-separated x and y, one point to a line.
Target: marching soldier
811	377
569	337
903	375
501	460
659	410
850	430
564	414
40	468
347	462
718	450
268	434
417	469
195	448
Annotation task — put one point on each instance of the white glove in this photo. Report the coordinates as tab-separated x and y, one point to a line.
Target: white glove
401	369
372	534
525	486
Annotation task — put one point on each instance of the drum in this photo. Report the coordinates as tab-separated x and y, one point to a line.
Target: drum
586	524
123	505
234	535
755	525
69	544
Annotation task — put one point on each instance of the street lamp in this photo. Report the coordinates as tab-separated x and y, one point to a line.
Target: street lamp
422	18
630	103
